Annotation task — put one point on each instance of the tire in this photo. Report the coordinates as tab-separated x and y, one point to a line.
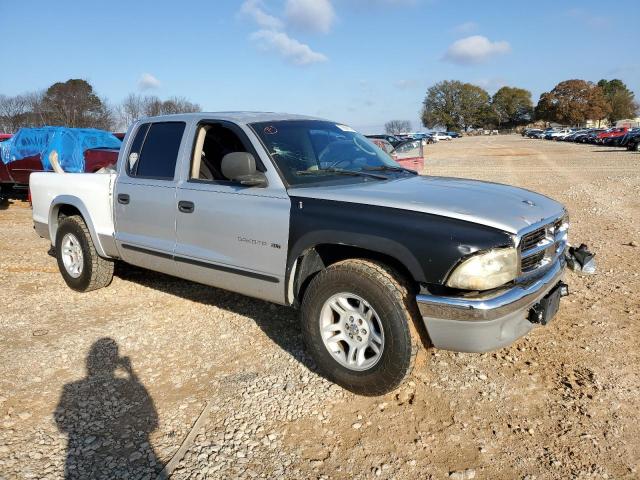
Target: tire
84	272
393	306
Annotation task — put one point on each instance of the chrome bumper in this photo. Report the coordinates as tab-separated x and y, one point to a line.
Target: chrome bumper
480	324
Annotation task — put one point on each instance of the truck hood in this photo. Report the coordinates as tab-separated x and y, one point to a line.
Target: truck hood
504	207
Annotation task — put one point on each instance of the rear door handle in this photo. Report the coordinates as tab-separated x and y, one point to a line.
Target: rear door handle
186	207
123	198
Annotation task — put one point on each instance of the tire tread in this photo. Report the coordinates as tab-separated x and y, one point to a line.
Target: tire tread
101	268
394	283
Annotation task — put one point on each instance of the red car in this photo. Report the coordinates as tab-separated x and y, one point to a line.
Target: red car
607	136
14	175
408	154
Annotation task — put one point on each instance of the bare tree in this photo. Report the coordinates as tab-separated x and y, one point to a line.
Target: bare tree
35	116
179	105
135	107
13	112
130	110
75	104
394	127
152	106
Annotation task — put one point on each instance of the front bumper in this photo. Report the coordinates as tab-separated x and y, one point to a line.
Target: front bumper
480	324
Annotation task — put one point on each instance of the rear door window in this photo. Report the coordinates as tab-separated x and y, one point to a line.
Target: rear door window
154	153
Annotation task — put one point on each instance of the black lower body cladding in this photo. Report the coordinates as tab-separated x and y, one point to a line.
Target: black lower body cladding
428	246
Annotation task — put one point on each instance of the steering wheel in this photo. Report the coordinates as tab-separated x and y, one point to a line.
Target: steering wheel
337	149
365	146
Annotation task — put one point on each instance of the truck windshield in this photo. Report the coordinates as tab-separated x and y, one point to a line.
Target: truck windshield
311	151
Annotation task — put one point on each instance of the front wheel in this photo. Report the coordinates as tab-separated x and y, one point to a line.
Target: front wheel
357	324
80	265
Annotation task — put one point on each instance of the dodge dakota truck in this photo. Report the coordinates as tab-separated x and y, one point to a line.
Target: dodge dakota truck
308	213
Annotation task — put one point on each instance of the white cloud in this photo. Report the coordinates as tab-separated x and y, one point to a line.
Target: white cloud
475	49
313	15
466	28
492	84
406	84
148	82
594	21
254	10
291	49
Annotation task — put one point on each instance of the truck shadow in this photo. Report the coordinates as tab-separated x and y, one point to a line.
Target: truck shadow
279	323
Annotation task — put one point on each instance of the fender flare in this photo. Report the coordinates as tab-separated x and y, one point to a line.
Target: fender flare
62	200
307	244
374	243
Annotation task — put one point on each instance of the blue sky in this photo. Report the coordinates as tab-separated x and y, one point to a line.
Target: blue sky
361	62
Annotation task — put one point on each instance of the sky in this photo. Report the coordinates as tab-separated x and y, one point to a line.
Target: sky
359	62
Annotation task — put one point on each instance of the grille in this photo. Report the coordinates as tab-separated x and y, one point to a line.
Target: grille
531	262
557	224
542	246
530	240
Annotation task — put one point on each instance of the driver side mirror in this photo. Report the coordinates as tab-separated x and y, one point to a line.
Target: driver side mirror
241	167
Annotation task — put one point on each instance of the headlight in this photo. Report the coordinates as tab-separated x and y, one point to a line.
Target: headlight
486	270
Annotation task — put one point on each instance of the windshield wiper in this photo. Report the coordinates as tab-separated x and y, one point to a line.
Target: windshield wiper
389	168
340	171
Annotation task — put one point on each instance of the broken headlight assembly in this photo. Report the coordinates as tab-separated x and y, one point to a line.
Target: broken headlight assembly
486	270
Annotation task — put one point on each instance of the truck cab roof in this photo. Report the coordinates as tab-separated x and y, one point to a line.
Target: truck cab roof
238	117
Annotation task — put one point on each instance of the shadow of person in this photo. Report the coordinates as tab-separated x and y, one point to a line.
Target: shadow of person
107	416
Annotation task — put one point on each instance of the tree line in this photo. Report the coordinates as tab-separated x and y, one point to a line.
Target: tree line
75	103
455	105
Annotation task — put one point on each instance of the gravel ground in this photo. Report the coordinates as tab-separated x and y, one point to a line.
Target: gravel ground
112	382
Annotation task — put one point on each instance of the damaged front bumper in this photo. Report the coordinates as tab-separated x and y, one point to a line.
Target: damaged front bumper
480	324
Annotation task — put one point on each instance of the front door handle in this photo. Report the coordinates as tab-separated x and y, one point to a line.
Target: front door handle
123	198
186	207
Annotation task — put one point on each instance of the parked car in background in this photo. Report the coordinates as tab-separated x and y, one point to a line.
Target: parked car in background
392	139
453	134
408	154
437	136
543	134
582	136
628	136
633	142
611	136
559	134
385	145
591	136
78	150
533	132
573	135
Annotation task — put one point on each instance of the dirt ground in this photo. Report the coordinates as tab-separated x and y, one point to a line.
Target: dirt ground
123	373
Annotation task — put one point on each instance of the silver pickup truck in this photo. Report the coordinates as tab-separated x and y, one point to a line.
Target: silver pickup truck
309	213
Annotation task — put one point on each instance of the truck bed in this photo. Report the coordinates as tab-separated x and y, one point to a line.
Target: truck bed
88	192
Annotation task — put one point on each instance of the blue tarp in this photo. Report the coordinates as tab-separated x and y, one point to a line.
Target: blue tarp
69	143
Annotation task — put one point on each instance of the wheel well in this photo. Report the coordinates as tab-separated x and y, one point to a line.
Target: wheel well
63	211
316	259
67	211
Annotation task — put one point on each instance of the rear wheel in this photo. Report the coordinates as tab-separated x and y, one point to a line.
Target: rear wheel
80	265
357	323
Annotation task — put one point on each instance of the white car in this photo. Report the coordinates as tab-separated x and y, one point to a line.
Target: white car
437	136
561	133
